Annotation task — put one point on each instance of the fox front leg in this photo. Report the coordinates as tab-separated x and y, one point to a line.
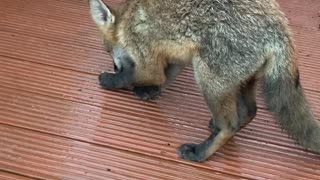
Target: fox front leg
147	92
151	92
124	71
114	81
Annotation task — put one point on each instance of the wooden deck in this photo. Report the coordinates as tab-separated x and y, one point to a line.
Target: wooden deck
56	122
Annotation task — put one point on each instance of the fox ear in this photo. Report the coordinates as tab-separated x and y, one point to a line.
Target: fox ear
101	13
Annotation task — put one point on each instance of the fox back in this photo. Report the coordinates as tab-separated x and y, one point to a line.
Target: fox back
179	30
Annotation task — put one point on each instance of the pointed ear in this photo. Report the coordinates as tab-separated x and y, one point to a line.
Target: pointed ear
101	13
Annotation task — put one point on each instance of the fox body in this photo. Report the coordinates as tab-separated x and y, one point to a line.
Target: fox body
230	43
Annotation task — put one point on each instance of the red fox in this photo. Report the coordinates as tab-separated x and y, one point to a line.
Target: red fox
230	43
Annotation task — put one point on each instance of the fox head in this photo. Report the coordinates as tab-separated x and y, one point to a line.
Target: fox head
106	19
136	39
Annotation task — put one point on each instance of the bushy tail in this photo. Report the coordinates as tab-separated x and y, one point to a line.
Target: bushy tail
285	98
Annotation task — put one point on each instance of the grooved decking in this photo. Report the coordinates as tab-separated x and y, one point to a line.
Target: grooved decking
56	122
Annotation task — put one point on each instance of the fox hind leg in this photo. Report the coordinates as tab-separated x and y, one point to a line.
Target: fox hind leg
231	112
246	105
232	107
225	116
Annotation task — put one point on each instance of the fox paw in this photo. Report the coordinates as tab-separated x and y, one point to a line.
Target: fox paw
147	92
191	152
106	80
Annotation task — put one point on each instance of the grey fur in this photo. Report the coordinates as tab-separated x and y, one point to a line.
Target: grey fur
230	44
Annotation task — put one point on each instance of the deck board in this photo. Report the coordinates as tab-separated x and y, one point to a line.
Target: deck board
56	123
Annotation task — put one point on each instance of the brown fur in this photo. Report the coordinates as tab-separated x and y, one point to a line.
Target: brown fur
230	43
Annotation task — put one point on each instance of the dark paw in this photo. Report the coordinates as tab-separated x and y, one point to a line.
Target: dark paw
106	80
191	152
147	92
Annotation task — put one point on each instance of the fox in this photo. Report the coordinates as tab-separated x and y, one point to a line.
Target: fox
232	45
